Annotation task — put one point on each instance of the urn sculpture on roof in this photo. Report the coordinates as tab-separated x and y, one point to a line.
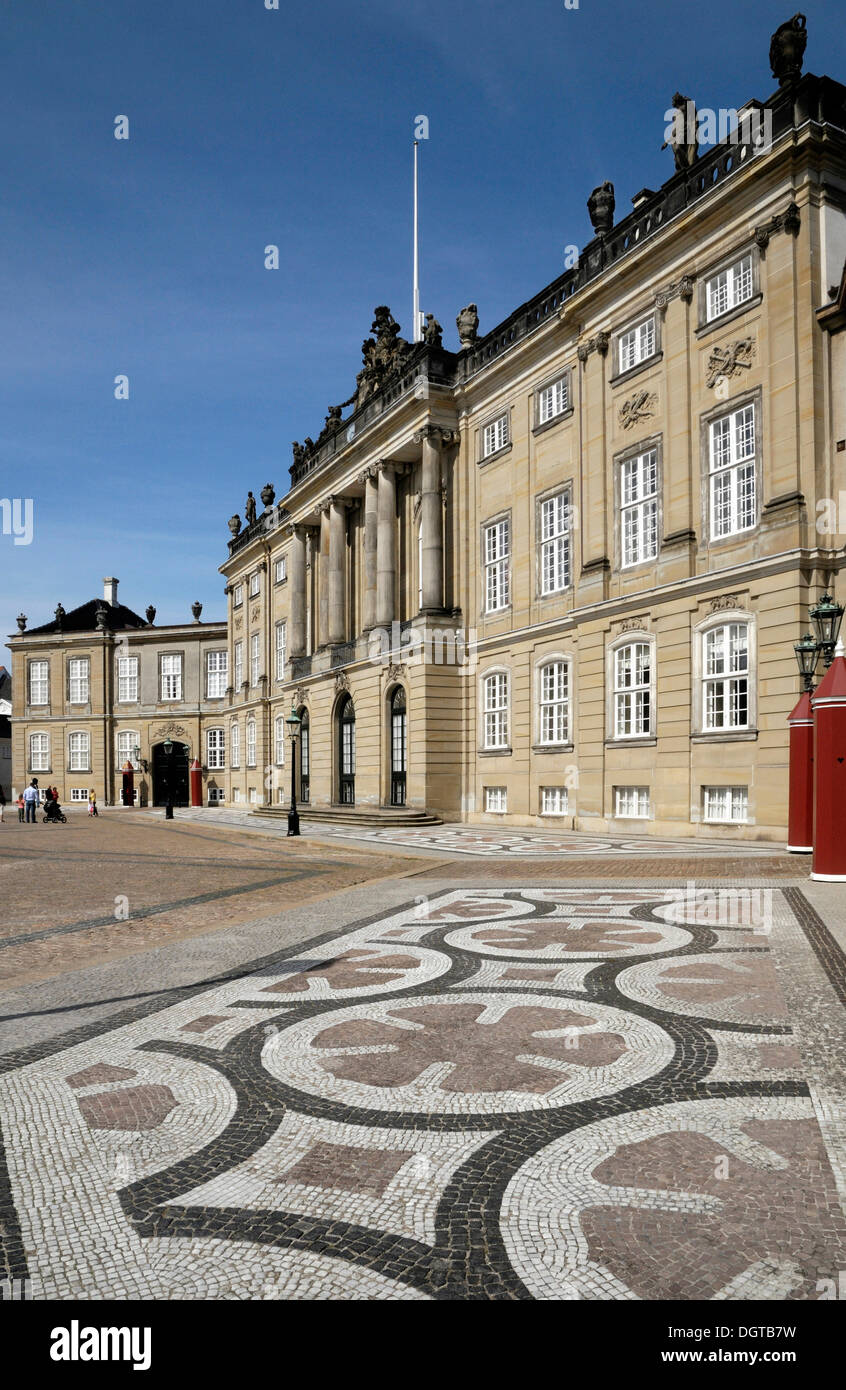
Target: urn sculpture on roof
600	206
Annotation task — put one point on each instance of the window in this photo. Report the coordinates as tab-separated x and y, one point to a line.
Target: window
38	682
732	472
235	745
79	794
631	803
236	795
554	702
637	344
255	658
127	742
251	743
217	796
217	669
639	508
495	436
555	543
239	665
79	749
39	752
215	749
725	702
255	584
729	288
553	801
496	710
280	732
171	676
553	399
496	799
280	569
727	804
78	667
280	651
127	679
237	595
253	796
632	715
496	566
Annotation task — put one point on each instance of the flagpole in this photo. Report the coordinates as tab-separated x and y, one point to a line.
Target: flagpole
416	309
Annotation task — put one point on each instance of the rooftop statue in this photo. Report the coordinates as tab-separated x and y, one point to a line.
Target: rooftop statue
600	205
433	333
467	324
382	355
250	509
682	133
787	49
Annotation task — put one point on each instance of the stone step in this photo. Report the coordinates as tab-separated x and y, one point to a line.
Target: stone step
355	817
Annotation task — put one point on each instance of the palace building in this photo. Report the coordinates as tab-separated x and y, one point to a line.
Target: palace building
100	686
555	577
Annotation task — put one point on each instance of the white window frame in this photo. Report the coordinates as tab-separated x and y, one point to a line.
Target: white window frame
734	799
235	744
280	734
255	584
496	801
496	435
732	465
554	531
79	794
126	737
79	746
237	595
217	673
170	676
127	679
79	680
554	701
632	803
251	742
725	676
637	344
553	399
216	748
495	700
281	648
639	484
280	569
39	682
238	662
554	801
633	701
43	763
216	796
730	287
255	659
496	564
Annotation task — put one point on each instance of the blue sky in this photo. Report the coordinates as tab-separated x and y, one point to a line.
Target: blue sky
251	127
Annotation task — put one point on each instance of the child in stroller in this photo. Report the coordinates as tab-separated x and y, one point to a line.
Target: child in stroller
52	810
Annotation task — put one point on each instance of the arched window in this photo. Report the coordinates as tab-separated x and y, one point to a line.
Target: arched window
305	754
215	759
235	745
346	751
725	677
632	690
251	742
280	733
79	750
39	752
399	746
495	709
554	702
127	742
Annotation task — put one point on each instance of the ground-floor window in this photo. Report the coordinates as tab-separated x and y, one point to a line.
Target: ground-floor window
496	799
253	796
216	796
553	801
236	795
631	803
79	794
727	804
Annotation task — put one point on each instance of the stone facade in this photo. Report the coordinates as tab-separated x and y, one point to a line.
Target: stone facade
95	684
623	479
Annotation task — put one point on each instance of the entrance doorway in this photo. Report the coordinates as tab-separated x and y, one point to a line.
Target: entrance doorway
305	754
346	751
170	774
399	747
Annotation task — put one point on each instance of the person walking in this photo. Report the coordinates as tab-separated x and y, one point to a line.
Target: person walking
92	803
20	806
31	800
2	804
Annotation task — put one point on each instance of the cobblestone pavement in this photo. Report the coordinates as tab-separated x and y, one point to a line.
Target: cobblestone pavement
526	1090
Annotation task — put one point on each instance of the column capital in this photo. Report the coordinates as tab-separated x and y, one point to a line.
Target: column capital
437	434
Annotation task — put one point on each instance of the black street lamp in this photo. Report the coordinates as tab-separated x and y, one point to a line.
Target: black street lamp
807	651
827	617
168	748
294	725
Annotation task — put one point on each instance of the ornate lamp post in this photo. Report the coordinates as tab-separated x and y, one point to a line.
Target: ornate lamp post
800	824
807	651
827	617
294	724
168	748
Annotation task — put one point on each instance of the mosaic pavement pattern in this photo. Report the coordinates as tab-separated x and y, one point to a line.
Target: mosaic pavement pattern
522	1093
488	840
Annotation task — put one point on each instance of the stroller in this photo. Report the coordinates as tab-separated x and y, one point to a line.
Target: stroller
54	813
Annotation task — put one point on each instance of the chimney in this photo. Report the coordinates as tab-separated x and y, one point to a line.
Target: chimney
110	592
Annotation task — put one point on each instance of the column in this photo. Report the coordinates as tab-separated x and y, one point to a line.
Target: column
432	524
386	545
323	580
368	611
337	561
297	634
